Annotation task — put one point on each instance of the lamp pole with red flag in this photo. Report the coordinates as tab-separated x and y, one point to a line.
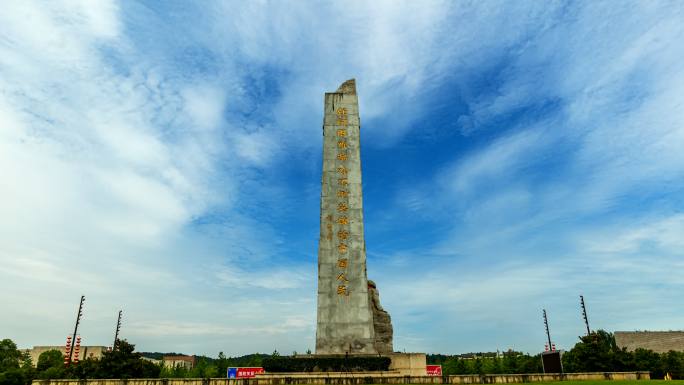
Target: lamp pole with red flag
78	320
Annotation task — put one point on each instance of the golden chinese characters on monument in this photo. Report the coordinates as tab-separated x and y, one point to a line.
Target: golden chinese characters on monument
342	205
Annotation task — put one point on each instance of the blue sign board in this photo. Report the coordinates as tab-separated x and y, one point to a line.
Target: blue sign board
232	372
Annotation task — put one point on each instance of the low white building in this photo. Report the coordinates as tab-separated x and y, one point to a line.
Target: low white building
188	362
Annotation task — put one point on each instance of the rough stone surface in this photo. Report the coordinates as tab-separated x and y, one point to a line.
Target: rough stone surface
382	322
658	341
345	317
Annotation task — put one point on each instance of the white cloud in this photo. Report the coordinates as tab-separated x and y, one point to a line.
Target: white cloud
507	155
664	234
205	105
172	329
256	147
234	276
102	168
126	154
582	190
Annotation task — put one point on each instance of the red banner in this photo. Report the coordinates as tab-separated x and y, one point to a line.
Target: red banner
244	372
434	370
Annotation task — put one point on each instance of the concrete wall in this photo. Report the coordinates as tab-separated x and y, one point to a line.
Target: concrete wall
84	352
540	377
360	379
659	342
408	364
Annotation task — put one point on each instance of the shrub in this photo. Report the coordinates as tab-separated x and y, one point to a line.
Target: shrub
325	364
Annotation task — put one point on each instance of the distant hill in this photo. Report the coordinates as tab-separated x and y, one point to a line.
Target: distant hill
239	361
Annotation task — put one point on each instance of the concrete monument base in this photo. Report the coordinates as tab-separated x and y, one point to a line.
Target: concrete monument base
402	364
408	364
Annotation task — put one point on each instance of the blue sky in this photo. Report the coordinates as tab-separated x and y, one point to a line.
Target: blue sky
165	159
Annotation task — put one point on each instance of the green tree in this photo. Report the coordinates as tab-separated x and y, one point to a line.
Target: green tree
204	369
599	352
529	364
221	365
88	368
177	371
10	358
594	353
673	363
493	365
49	359
478	368
508	363
460	366
26	361
13	376
9	355
27	367
649	360
123	362
623	361
53	372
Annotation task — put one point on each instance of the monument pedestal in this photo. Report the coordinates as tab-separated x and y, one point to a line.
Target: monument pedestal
403	364
408	364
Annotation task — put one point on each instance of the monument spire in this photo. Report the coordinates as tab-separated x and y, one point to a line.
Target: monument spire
348	308
348	87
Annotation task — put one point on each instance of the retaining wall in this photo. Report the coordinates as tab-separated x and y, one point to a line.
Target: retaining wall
360	379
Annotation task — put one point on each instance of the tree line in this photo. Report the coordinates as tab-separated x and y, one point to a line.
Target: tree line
17	368
596	352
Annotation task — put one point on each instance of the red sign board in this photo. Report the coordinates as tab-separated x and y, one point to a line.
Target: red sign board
244	372
434	370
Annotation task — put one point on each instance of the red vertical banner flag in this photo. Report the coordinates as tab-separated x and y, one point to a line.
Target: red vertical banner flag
68	351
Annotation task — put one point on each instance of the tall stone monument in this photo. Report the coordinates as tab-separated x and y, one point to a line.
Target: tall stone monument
350	318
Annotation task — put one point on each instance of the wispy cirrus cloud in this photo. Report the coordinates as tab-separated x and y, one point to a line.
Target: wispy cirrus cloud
168	157
567	187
